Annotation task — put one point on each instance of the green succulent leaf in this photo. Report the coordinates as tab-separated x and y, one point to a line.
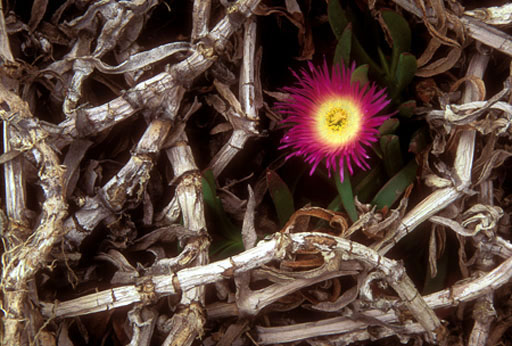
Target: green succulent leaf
389	126
281	196
226	248
394	188
400	34
405	71
371	183
337	18
383	61
335	204
390	146
362	57
407	108
342	52
360	75
228	229
346	195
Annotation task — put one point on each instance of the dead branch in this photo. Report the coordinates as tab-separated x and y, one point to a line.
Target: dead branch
303	266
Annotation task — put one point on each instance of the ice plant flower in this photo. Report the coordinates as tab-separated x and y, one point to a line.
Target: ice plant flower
329	117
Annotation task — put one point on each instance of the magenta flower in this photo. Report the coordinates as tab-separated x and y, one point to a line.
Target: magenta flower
331	118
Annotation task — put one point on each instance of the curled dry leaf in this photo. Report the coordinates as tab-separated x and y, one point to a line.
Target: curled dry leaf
442	65
249	236
296	17
477	82
484	166
482	217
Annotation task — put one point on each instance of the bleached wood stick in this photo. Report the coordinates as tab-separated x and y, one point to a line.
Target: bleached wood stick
459	293
163	285
168	85
23	259
200	18
475	28
14	176
280	245
243	114
441	198
188	323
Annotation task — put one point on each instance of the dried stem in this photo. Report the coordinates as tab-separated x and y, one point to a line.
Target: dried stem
242	115
476	29
267	272
187	324
463	164
166	84
453	296
24	257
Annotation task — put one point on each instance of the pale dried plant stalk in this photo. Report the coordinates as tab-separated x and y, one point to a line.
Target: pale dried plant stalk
93	212
163	101
187	324
273	249
474	27
459	293
242	114
441	198
496	15
22	258
21	262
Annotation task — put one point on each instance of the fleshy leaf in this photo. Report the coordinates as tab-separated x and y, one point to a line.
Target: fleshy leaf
337	17
383	61
407	108
360	75
281	196
389	126
362	57
335	204
370	184
346	195
226	248
394	188
405	71
400	33
344	46
228	229
390	146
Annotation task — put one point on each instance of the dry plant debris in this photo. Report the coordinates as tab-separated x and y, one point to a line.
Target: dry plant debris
138	135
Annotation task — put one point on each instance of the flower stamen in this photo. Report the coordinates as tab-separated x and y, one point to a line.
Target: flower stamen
338	121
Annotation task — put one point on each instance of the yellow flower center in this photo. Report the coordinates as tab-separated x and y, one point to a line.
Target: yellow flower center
338	121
